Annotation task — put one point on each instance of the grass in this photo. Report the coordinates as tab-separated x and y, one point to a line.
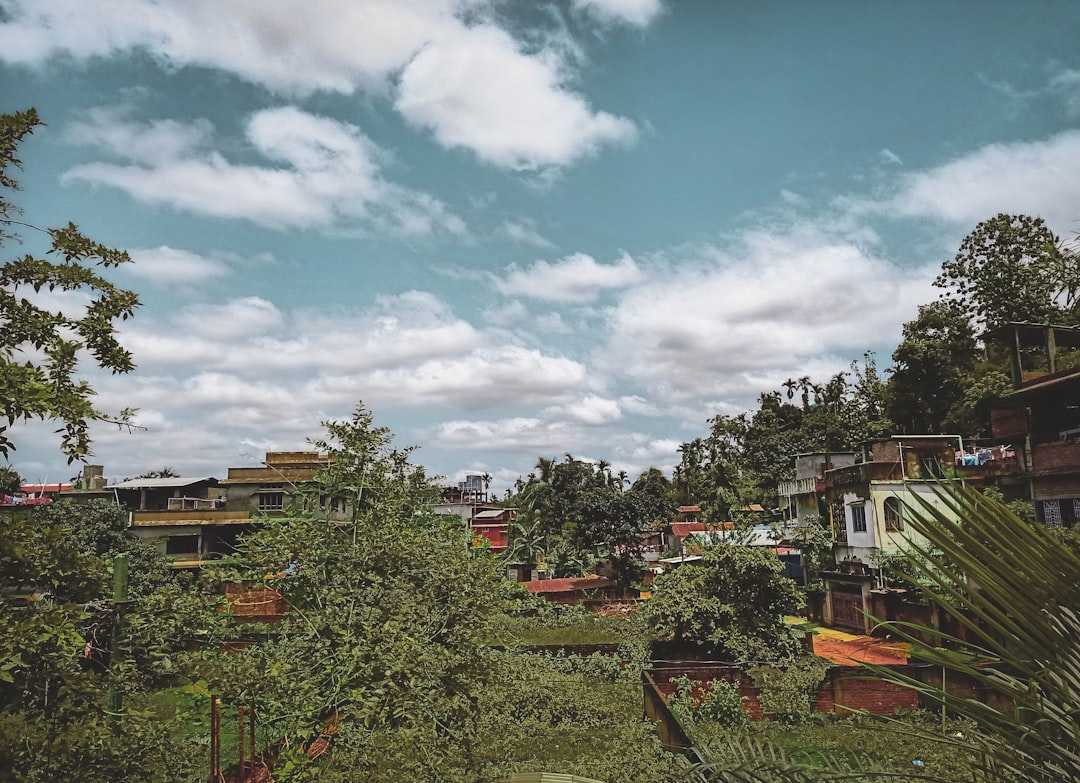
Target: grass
186	709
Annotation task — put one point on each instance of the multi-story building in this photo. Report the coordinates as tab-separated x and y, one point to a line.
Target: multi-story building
198	520
1041	417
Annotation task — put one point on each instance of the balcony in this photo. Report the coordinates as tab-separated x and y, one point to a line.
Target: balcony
190	517
803	486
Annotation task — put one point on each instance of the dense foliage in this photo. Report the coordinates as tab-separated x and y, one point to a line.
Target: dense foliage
732	603
48	387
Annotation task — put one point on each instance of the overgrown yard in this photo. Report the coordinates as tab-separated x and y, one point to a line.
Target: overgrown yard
911	743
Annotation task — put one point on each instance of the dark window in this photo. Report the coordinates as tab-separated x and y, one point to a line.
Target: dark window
858	518
894	520
181	545
271	497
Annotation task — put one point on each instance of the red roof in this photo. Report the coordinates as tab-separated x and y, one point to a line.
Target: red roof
684	529
570	585
37	489
688	509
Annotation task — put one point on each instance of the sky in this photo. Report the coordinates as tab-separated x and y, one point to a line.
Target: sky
518	229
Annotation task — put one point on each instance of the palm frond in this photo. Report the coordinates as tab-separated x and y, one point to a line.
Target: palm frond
1016	592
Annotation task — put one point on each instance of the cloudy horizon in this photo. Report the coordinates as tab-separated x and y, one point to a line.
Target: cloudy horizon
583	227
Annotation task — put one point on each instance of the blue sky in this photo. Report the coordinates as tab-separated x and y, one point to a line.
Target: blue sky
519	229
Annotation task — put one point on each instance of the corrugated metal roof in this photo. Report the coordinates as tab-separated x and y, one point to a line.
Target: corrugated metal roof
154	483
493	514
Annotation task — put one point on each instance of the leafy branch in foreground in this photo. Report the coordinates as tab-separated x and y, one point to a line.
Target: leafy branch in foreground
43	329
1015	589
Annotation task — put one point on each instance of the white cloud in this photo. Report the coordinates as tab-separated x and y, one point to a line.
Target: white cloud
330	179
235	320
525	434
523	232
577	279
726	324
1036	178
169	266
639	13
470	84
480	92
590	409
289	46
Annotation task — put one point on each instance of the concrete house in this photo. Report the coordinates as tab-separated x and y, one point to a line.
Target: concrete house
1040	419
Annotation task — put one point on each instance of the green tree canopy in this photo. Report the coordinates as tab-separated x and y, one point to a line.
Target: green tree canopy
388	614
733	602
1012	268
49	387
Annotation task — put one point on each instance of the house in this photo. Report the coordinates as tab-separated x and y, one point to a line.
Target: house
869	502
574	590
803	497
1040	419
196	520
493	526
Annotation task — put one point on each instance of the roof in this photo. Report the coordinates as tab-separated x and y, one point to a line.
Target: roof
689	509
153	483
568	585
676	560
39	488
753	507
1064	336
684	529
491	514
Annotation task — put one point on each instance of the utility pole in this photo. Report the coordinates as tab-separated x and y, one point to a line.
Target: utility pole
120	598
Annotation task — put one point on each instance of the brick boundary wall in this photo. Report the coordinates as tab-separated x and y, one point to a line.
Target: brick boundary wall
845	689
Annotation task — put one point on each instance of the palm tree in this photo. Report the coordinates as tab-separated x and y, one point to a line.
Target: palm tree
1016	591
528	543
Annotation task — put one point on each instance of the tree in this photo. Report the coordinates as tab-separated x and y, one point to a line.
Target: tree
733	602
933	365
49	388
1012	268
615	520
387	623
100	528
10	480
53	725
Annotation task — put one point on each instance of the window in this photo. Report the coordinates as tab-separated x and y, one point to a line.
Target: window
181	545
839	523
858	518
271	497
894	521
1051	513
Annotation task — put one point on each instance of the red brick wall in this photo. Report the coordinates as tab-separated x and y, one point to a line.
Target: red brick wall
1060	455
845	689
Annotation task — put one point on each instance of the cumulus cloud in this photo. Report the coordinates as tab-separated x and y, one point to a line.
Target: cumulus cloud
590	409
405	351
468	82
575	279
527	434
638	13
1036	178
321	174
720	324
480	92
170	266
